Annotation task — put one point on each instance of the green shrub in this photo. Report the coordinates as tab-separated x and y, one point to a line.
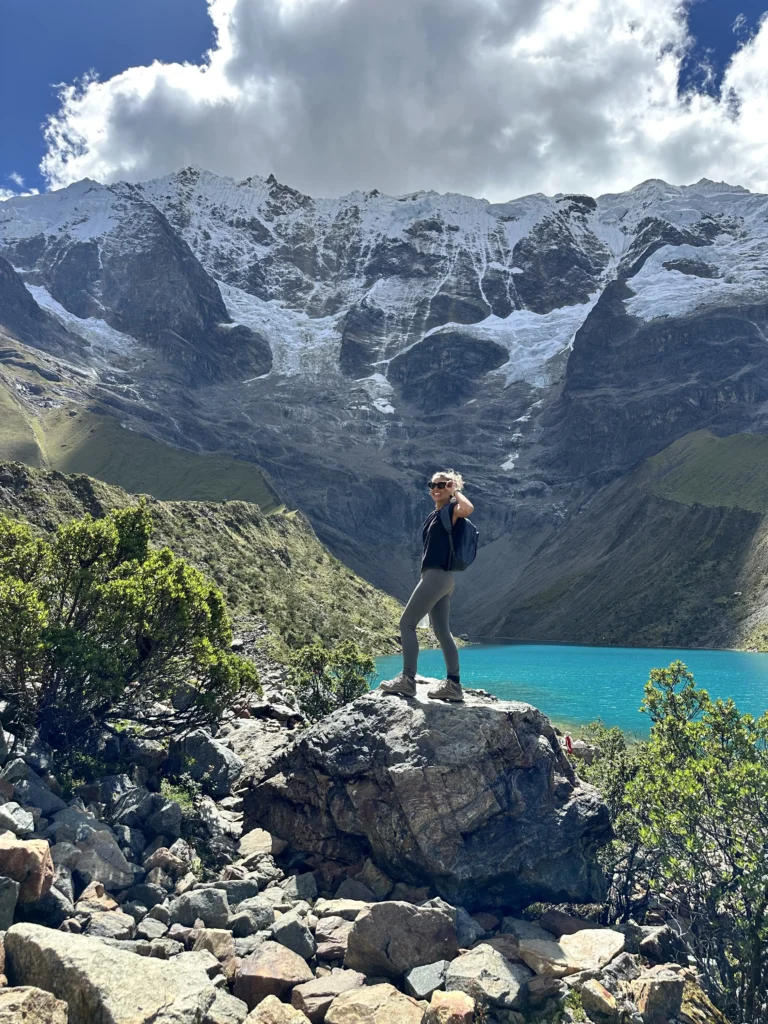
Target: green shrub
97	628
325	679
690	812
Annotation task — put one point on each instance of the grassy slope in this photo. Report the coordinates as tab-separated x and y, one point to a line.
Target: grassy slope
722	472
675	554
72	439
270	567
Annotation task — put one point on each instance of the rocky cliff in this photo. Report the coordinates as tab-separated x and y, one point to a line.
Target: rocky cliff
464	798
547	347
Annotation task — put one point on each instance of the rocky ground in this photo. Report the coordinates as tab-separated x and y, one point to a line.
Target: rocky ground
124	905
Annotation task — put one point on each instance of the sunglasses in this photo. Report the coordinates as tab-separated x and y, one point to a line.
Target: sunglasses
440	484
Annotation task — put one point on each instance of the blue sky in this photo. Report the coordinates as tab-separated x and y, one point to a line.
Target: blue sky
403	94
50	41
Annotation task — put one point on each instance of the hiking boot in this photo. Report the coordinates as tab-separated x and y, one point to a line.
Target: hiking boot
446	690
402	686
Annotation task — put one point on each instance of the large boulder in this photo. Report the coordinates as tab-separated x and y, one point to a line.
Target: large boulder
475	799
484	973
390	938
272	970
105	984
374	1004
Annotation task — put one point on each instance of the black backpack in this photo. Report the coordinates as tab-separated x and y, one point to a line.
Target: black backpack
464	551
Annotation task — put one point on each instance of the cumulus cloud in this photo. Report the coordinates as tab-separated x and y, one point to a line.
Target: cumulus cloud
487	97
16	178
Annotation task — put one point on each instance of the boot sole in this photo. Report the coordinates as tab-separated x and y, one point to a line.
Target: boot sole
451	700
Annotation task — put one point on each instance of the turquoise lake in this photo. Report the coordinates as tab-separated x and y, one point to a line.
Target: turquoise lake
575	685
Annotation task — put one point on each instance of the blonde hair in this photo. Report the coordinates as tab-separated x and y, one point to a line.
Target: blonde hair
450	474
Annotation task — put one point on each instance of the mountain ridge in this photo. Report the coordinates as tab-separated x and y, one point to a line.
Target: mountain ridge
546	346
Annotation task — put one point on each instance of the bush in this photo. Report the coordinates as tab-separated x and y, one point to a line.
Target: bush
97	628
691	816
324	679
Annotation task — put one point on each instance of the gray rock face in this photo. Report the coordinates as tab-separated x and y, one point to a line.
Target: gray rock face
391	938
103	983
210	905
293	933
208	761
476	800
421	982
484	972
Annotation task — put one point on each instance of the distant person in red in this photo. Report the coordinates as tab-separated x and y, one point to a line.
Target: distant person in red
432	595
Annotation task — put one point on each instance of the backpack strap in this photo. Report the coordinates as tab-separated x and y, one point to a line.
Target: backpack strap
446	516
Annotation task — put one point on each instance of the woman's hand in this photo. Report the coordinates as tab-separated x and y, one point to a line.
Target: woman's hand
462	508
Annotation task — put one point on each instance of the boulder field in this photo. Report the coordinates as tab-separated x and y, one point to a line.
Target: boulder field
476	800
121	905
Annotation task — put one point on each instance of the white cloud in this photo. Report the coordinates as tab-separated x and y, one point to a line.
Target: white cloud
6	193
16	178
488	97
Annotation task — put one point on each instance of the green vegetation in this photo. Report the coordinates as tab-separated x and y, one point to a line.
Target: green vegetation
72	439
721	472
324	680
691	819
270	568
98	627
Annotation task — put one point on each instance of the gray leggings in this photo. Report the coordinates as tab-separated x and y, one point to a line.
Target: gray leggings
433	595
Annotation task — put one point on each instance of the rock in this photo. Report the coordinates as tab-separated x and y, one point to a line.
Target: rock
390	938
150	928
101	859
314	997
146	895
257	842
9	894
270	970
51	910
350	910
112	924
451	1008
28	862
293	933
587	950
151	813
208	905
374	1004
257	742
379	883
217	940
658	995
598	1001
468	931
522	929
410	893
15	819
697	1007
28	1005
300	887
558	923
225	1009
541	988
351	889
238	890
272	1011
107	984
260	910
483	972
208	761
332	937
479	800
421	982
507	945
29	789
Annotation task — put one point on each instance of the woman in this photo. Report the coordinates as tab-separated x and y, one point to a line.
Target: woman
433	593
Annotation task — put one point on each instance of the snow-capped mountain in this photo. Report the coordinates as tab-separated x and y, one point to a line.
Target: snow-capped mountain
546	346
